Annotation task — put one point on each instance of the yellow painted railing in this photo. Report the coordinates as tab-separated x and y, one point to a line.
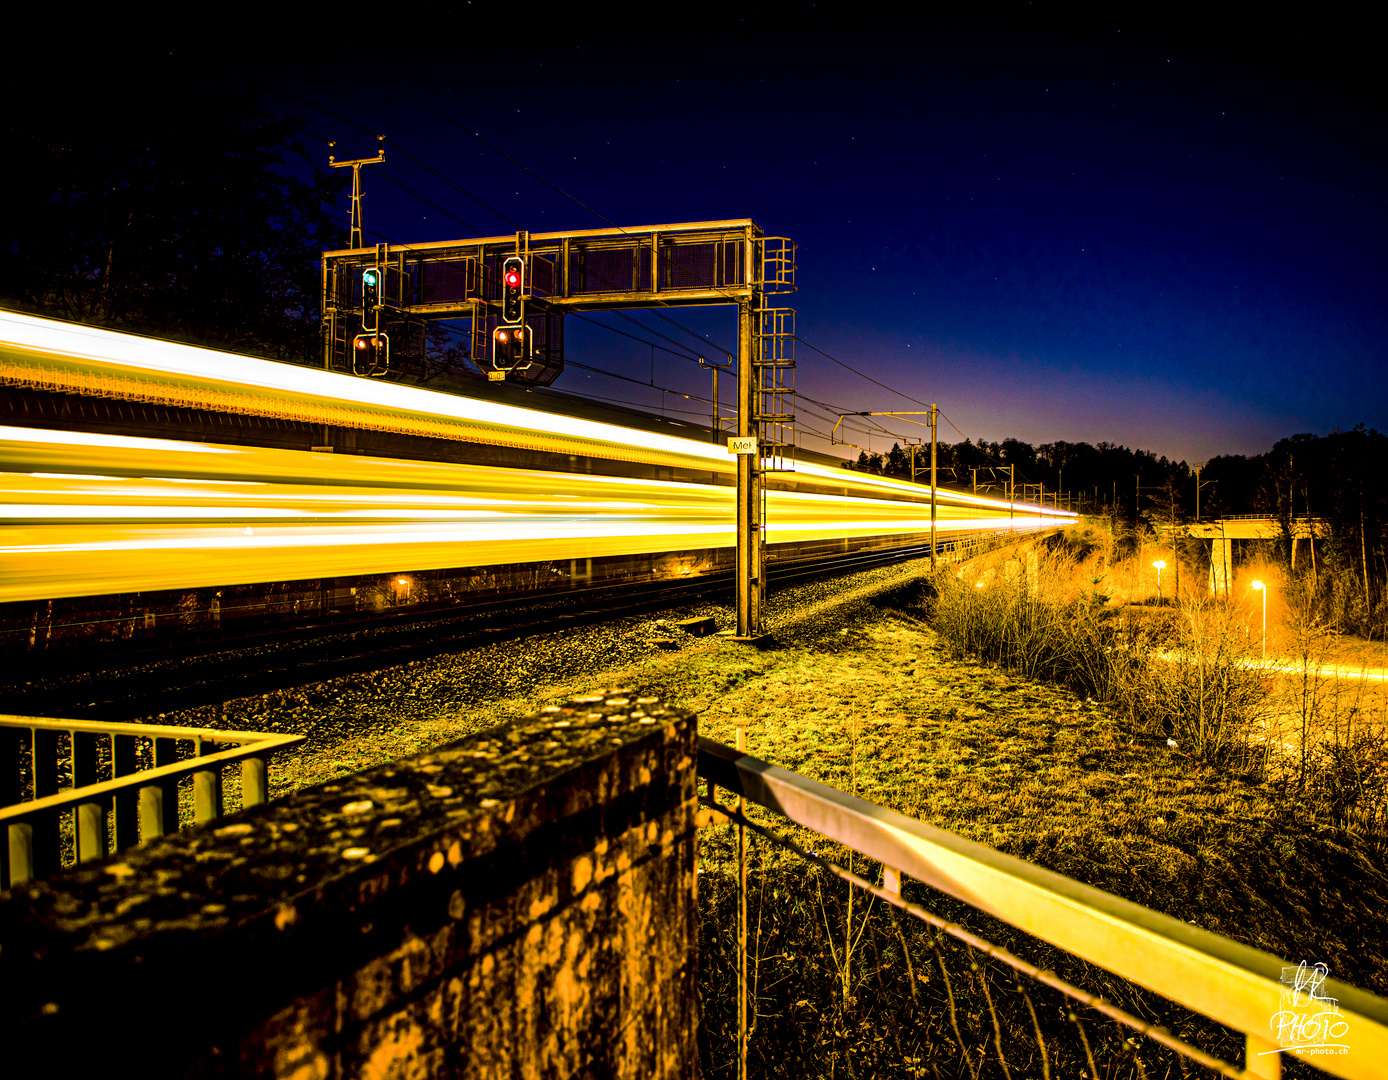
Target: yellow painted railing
94	772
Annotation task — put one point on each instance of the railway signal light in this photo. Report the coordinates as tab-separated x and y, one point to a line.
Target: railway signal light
371	354
370	297
512	290
511	347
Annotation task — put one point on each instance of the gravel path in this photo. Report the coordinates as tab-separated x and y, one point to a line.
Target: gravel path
359	721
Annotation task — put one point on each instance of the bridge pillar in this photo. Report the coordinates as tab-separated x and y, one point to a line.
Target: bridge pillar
518	903
1221	565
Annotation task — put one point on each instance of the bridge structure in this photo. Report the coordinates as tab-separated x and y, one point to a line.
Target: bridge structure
1222	533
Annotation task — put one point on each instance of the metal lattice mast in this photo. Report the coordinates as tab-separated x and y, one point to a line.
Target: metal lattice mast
355	166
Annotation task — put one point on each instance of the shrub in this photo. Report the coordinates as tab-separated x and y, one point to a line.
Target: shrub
1182	671
1201	690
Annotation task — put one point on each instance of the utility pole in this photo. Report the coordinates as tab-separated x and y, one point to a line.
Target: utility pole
709	365
933	410
1176	544
749	548
1011	491
356	183
975	472
357	243
934	444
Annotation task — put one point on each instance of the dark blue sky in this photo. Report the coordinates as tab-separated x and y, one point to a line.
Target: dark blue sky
1155	235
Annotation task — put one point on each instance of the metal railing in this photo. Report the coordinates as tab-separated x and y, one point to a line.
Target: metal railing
1244	989
118	783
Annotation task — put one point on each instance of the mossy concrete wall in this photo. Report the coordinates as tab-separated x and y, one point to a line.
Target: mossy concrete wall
516	904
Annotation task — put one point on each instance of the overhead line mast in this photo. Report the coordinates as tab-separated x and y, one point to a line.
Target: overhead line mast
355	166
932	412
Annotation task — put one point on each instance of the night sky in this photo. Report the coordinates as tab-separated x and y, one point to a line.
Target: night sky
1165	237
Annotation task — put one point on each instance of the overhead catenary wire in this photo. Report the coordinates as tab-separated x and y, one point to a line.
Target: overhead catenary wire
437	208
688	354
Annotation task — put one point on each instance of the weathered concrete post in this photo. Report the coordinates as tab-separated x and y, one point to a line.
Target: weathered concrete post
1221	565
516	904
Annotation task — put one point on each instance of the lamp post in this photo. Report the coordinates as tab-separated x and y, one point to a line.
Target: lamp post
1263	589
1160	564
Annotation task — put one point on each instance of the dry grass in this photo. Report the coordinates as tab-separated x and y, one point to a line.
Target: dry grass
869	698
1038	773
1206	831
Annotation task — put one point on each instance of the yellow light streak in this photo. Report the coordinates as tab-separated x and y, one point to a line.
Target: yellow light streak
84	513
109	526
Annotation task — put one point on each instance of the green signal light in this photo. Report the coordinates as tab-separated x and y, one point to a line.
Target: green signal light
369	278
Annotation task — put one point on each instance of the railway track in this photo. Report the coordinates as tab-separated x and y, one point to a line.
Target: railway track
120	685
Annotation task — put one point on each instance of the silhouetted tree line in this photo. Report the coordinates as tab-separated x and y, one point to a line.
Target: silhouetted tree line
180	219
1096	477
1338	478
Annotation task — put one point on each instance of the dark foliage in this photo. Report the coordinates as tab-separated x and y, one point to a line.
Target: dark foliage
181	220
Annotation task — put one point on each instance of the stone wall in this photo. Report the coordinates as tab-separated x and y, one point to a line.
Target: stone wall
516	904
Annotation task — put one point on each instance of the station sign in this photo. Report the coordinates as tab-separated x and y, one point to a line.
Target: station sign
746	445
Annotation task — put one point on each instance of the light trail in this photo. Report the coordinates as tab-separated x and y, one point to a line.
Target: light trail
137	515
1323	671
45	354
87	514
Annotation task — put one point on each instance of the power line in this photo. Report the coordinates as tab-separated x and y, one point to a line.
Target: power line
689	354
861	374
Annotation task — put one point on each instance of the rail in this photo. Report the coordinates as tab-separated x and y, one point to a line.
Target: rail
1240	987
138	792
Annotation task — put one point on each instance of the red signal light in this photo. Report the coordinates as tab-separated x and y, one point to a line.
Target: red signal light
513	286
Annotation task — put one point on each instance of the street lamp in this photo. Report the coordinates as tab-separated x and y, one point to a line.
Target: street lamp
1160	565
1263	589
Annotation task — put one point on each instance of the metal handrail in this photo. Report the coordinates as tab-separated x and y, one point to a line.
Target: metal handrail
145	800
1236	985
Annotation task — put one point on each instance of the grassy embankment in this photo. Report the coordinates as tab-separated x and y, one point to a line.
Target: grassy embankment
1059	756
1032	716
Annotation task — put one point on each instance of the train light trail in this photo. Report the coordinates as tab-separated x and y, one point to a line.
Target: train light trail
48	355
86	514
